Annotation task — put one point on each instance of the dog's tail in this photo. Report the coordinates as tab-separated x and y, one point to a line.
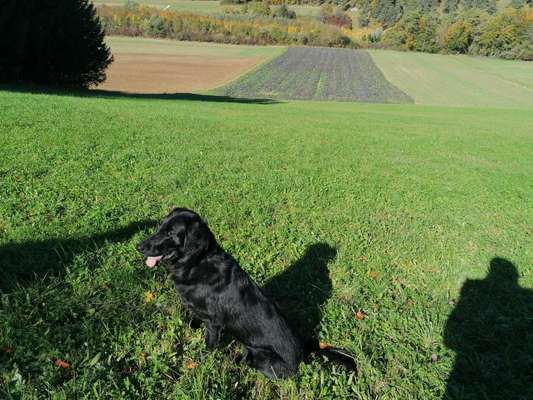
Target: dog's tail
333	354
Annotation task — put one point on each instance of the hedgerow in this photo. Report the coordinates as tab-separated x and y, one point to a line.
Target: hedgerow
237	29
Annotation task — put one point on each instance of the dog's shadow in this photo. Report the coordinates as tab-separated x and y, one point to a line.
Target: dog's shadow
24	262
303	288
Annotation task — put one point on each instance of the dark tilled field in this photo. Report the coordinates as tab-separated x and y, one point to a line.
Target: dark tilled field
319	74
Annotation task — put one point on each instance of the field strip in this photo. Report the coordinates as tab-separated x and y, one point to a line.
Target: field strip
259	65
168	66
458	80
307	73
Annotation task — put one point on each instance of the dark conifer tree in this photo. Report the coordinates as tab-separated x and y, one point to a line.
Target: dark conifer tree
52	42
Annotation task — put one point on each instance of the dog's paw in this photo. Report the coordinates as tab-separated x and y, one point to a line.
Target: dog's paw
212	337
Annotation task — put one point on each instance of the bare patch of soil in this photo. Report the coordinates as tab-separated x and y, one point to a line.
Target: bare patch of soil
149	73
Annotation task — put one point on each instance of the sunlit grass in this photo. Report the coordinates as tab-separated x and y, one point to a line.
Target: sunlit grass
414	200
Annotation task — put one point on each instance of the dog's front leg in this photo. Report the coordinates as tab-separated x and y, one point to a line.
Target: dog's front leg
213	335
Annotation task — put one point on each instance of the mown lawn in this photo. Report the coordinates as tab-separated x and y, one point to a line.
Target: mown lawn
458	80
401	204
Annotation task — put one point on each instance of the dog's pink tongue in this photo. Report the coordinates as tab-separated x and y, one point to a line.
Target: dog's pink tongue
152	261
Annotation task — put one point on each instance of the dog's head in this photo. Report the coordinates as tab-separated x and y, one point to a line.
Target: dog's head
181	237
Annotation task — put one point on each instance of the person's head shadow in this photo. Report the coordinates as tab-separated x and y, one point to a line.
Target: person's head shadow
23	262
491	331
303	288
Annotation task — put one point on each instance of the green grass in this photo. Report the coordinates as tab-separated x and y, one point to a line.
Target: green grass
192	6
209	7
408	200
458	80
123	44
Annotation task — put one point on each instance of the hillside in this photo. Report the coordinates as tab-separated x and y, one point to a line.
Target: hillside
396	204
458	80
318	74
144	65
389	77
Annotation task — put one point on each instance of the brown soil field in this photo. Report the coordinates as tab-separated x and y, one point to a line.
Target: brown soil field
149	73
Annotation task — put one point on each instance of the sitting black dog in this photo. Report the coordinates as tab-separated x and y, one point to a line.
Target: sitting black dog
218	292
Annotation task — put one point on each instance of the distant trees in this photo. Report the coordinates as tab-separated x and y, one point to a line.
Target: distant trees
247	28
333	15
387	12
55	42
508	34
426	28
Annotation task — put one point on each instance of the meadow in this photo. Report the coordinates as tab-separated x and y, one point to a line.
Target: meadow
399	206
207	7
386	76
194	6
458	80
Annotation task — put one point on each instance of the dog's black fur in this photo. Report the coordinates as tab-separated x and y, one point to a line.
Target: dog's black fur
218	292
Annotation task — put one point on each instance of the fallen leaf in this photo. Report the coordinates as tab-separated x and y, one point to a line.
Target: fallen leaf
434	358
324	345
17	178
451	302
373	274
7	350
61	363
143	357
149	296
360	315
191	364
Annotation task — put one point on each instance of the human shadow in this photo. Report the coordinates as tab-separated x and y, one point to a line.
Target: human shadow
303	288
491	331
110	94
21	263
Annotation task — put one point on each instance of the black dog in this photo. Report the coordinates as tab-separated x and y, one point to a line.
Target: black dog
218	292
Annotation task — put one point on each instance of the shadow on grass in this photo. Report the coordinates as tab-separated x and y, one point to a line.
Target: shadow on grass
108	94
491	331
22	263
302	289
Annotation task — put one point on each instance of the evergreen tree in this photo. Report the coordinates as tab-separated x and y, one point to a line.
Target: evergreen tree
53	42
387	12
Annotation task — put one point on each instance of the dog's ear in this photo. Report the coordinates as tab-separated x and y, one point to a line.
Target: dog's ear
198	239
171	209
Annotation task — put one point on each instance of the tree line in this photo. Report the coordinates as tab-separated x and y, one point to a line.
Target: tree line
506	34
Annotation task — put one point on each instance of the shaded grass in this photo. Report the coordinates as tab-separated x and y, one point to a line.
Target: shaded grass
414	200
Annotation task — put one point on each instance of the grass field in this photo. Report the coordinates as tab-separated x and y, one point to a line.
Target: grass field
206	6
436	79
401	204
318	74
169	66
193	6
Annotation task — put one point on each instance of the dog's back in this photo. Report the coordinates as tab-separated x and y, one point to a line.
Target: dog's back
220	292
